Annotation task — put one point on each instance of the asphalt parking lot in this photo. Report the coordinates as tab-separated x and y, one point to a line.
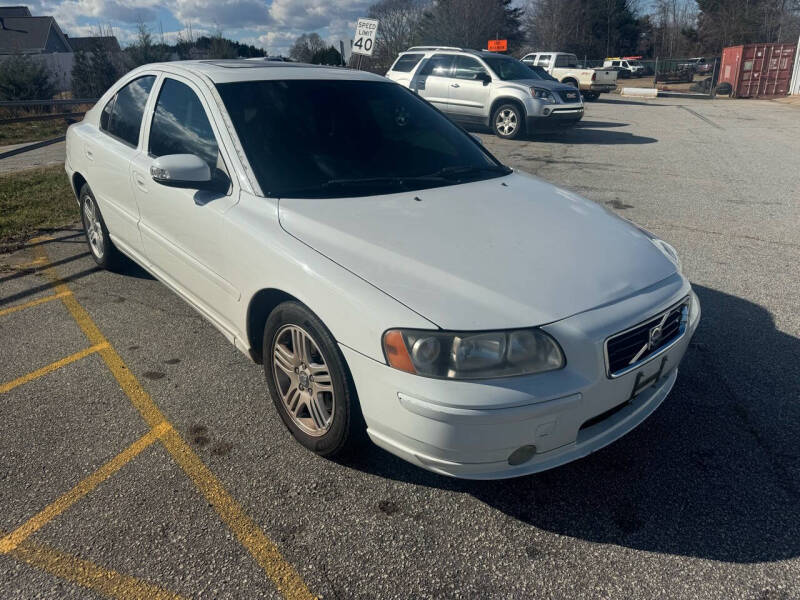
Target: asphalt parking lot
141	458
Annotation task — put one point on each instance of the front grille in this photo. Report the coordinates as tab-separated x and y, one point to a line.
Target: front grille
628	349
570	96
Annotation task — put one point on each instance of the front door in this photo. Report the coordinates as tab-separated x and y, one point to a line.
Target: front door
432	80
184	230
469	92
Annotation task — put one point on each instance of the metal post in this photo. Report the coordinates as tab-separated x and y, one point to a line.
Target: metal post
713	92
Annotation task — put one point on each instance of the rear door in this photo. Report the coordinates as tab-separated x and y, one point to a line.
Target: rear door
109	154
432	80
469	95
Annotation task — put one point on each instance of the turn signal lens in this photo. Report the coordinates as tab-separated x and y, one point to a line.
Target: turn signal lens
396	351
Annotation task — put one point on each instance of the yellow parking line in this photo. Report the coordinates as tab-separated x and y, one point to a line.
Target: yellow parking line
87	574
50	512
286	579
13	309
6	387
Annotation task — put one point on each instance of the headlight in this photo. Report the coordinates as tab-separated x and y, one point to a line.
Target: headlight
694	308
473	355
668	251
543	95
665	247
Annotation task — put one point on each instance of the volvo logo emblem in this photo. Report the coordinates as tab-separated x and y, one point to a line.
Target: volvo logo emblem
656	333
654	338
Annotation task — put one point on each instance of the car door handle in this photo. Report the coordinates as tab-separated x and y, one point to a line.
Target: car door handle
89	153
141	183
454	85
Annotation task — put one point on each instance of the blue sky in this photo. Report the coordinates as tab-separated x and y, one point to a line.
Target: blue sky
270	24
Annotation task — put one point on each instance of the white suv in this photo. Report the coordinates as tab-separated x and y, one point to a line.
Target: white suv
485	88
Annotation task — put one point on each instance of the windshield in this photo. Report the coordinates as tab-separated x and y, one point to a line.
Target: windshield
540	73
507	68
332	138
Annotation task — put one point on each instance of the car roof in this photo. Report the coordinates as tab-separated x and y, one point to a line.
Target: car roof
232	70
452	50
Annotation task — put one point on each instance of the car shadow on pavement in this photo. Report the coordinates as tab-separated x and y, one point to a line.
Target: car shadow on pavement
587	124
714	473
587	135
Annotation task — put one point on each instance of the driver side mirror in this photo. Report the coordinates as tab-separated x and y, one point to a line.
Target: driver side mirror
484	77
182	171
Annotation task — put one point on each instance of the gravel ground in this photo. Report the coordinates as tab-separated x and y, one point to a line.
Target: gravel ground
702	500
40	157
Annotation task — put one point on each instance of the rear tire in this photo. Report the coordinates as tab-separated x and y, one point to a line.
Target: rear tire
508	122
309	382
102	249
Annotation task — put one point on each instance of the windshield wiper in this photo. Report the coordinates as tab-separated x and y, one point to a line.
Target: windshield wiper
466	170
401	183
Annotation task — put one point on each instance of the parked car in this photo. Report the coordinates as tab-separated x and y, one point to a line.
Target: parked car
698	65
626	67
489	89
565	68
391	275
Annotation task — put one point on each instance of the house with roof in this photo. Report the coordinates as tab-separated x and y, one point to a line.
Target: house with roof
22	33
41	38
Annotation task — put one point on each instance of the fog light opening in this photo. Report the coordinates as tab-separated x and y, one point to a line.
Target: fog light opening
546	111
521	455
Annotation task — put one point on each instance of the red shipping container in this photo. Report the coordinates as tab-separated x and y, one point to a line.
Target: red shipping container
758	70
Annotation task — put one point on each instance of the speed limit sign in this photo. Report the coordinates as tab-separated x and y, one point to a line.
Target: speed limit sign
364	40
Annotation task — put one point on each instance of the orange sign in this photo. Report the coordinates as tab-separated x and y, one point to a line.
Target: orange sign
498	45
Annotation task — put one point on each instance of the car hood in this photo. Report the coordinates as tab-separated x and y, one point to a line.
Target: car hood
507	252
553	86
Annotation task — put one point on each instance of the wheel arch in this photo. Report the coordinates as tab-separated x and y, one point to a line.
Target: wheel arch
78	181
507	100
259	308
569	80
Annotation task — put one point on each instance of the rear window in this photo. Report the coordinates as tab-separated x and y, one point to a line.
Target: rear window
407	62
122	116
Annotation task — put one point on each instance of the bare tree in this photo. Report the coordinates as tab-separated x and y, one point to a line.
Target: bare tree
399	25
305	46
471	23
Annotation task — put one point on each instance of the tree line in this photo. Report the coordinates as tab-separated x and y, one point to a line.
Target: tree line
592	28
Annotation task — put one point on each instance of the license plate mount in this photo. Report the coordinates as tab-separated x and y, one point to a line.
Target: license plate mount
641	382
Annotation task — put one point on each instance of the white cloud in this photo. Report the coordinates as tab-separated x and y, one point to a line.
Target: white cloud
310	15
224	13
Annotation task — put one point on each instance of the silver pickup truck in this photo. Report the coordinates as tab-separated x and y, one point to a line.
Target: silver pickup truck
565	67
488	89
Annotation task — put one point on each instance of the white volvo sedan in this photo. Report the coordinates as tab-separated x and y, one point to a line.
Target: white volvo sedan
393	276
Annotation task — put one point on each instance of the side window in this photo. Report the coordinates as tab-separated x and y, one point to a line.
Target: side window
614	63
438	65
407	62
105	116
562	60
544	60
180	125
126	110
467	68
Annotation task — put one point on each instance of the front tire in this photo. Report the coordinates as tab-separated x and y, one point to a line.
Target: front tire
102	249
508	122
309	383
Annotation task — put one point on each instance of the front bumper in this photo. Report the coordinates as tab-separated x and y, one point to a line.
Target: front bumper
601	88
469	429
557	116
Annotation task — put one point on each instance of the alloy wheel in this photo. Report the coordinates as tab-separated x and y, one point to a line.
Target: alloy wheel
94	229
303	380
506	121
